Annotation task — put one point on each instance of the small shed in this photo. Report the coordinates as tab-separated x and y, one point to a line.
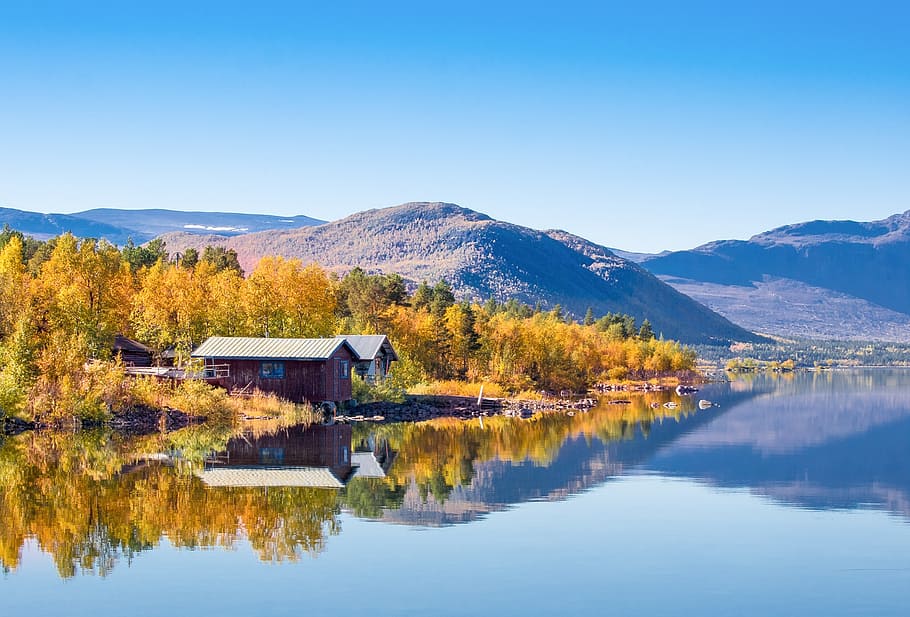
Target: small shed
298	369
375	355
132	353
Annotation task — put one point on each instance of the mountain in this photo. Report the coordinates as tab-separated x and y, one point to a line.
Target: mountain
482	258
44	226
118	226
151	223
819	279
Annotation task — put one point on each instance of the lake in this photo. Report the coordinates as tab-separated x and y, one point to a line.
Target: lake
790	496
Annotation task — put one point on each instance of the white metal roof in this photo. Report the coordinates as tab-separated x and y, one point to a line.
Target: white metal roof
367	346
315	477
366	465
252	348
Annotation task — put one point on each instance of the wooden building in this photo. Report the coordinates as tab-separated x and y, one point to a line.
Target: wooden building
375	355
132	353
298	369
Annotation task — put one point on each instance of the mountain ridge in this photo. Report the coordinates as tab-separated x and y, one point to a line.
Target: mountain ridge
847	270
119	226
482	258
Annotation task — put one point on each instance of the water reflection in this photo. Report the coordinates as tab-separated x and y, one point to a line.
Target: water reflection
94	499
820	440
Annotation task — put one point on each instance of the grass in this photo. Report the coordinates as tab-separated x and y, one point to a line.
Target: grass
198	398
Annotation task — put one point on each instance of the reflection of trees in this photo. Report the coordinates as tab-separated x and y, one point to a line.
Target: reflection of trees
90	500
366	497
441	454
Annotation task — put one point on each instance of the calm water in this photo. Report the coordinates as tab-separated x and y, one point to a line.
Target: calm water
792	497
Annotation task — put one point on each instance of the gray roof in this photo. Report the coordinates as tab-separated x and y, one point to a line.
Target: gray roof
251	348
316	477
367	346
366	465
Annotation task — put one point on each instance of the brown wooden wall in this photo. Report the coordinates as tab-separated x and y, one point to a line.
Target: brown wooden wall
315	446
303	381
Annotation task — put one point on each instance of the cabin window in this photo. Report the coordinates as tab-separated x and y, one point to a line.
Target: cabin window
271	370
344	369
271	456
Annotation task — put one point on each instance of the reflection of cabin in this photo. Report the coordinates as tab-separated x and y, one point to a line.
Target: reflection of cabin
297	369
317	456
375	355
132	353
372	458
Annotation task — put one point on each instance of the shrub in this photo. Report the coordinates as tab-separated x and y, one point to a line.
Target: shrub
386	390
194	397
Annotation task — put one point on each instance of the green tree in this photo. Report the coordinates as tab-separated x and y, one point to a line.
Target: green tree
646	333
222	258
144	256
190	258
589	317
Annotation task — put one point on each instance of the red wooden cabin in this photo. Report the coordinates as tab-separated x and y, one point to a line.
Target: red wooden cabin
297	369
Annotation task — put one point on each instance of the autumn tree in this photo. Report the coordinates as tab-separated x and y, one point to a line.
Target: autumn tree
282	298
14	284
366	298
85	289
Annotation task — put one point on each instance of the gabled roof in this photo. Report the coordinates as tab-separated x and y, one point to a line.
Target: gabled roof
366	466
367	346
252	348
121	343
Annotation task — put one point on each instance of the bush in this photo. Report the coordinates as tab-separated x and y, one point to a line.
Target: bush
148	392
460	388
12	395
194	397
386	390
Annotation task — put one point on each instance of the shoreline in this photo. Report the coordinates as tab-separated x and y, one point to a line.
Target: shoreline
415	408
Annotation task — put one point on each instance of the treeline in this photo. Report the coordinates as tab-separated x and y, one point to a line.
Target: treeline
809	354
63	301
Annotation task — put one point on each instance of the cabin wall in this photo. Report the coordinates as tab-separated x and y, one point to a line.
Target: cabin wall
374	369
134	358
315	446
313	381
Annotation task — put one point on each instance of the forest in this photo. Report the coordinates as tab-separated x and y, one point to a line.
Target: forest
62	302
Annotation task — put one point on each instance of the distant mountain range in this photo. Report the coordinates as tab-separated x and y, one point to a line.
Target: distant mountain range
817	280
118	226
483	258
821	279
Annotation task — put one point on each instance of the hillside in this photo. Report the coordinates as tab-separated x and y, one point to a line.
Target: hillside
483	258
118	226
821	279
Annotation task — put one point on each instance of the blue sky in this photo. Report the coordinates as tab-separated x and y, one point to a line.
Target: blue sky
644	126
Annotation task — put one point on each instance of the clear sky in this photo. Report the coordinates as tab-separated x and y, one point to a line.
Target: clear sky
641	125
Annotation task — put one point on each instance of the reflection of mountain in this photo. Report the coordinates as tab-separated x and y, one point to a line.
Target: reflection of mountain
582	462
837	442
831	440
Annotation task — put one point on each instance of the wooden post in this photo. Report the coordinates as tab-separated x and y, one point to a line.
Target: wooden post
480	396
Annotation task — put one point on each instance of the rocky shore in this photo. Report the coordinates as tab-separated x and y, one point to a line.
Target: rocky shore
418	408
145	420
139	421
